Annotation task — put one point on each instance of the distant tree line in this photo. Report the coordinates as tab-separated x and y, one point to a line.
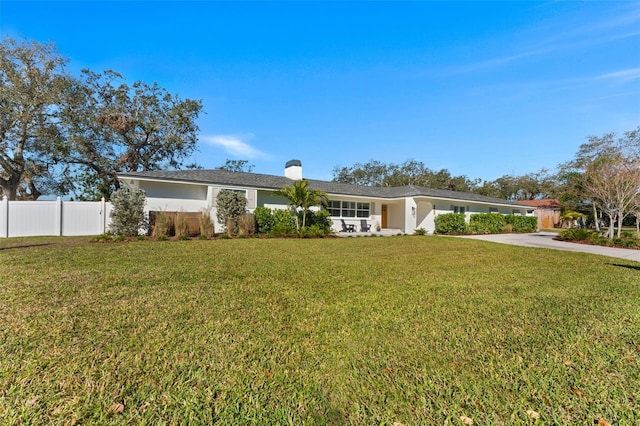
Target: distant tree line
602	182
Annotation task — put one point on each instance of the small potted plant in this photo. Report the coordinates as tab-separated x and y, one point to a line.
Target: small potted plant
378	227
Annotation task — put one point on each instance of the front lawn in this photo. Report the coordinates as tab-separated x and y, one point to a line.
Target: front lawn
414	330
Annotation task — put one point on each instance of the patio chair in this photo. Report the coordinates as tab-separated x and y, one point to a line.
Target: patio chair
364	226
347	228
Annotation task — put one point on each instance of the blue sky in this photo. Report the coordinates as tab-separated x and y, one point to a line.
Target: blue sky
481	89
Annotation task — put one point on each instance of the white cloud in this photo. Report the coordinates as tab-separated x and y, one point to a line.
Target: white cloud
235	145
504	60
623	75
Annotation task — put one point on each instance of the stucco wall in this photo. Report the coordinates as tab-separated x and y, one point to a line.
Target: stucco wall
174	190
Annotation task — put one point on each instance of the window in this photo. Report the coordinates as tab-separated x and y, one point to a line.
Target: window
334	208
348	209
237	191
457	209
493	210
516	212
363	210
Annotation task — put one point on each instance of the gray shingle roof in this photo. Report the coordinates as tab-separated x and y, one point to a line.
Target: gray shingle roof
262	181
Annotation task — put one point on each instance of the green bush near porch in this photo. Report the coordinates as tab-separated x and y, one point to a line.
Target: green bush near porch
281	222
451	223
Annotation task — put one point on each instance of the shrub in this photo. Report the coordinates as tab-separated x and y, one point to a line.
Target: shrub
162	225
181	226
230	206
313	231
451	223
264	219
420	231
507	229
486	223
321	219
284	223
598	239
522	223
127	216
628	234
207	229
578	234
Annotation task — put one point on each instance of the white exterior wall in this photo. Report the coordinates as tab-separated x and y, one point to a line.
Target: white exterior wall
425	216
175	191
174	205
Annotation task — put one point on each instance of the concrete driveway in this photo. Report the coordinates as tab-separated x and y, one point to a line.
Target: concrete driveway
545	240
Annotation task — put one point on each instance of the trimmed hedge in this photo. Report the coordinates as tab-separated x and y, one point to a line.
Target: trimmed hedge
451	223
486	223
522	223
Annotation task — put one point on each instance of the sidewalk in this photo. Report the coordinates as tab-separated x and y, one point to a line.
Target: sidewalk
545	240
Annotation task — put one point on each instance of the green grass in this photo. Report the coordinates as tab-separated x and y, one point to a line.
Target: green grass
415	330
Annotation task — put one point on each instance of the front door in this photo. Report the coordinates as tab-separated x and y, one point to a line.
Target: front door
384	215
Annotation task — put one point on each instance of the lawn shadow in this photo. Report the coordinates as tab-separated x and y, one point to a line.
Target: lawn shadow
637	268
25	246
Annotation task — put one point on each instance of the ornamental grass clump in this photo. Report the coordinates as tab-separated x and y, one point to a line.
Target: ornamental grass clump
207	229
162	226
181	226
246	225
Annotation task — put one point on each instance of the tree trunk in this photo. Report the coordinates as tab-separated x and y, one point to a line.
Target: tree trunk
620	220
596	218
612	225
10	188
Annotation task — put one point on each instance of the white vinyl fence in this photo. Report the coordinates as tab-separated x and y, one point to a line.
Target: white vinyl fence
56	217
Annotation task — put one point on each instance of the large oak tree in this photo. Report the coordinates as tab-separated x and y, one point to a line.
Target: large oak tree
111	127
32	84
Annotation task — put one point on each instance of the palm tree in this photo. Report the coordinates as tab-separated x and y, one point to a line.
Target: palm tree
301	197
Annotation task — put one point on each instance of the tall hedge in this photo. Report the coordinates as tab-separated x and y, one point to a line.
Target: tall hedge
522	223
451	223
486	223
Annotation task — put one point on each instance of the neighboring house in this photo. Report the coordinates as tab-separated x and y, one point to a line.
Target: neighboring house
404	208
547	211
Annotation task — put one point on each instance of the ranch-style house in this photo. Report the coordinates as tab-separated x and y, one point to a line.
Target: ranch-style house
402	209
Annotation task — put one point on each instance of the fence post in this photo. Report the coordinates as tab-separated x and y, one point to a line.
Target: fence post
103	216
58	217
4	217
